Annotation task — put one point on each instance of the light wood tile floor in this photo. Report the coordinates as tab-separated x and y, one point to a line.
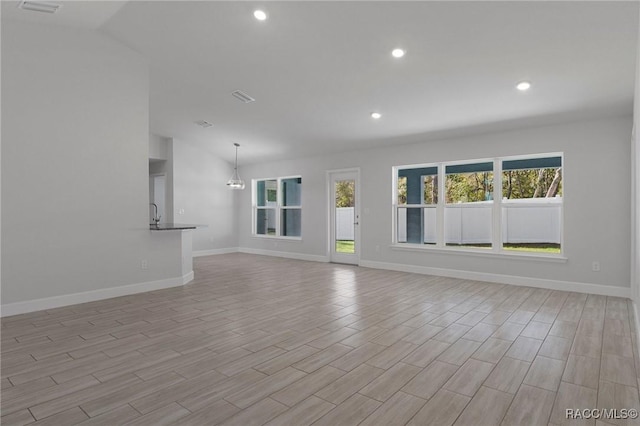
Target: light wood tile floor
259	340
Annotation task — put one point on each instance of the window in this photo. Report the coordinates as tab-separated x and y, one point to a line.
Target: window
417	197
532	204
291	212
467	213
278	207
266	202
455	205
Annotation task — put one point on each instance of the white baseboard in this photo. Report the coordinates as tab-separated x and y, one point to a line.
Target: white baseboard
187	278
201	253
285	254
578	287
603	290
91	296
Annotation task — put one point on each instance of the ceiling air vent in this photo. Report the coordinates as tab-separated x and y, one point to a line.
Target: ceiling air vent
203	123
39	6
242	96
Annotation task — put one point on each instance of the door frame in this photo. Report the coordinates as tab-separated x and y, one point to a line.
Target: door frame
334	257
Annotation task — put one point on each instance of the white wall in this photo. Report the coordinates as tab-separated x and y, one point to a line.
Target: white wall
635	188
158	147
596	177
75	166
199	188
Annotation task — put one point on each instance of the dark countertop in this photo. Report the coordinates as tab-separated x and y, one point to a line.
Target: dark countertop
173	226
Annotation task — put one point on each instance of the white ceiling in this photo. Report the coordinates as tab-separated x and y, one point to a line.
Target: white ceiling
79	14
318	69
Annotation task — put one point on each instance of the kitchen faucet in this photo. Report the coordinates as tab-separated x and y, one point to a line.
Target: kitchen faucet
155	218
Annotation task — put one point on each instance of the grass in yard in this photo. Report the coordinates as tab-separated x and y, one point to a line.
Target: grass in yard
528	247
482	246
343	246
536	248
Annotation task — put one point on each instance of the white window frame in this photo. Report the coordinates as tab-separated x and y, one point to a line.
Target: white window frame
278	209
497	209
422	204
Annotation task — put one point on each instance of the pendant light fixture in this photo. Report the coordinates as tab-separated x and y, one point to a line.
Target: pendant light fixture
235	182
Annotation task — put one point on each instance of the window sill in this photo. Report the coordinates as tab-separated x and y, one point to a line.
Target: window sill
273	237
482	253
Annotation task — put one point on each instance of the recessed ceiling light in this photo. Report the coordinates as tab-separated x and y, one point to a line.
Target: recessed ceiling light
523	86
260	15
398	53
376	115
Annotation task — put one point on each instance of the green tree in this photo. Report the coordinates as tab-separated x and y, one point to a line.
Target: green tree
430	186
532	183
402	190
345	193
469	187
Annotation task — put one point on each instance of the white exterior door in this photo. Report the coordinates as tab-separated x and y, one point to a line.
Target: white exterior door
344	216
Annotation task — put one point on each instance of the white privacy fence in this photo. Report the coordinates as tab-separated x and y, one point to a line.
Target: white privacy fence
345	217
536	220
526	223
